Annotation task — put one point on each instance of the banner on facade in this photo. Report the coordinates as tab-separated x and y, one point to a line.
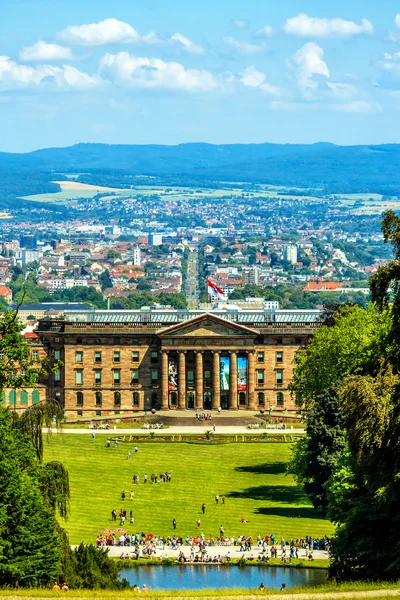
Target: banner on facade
172	373
242	373
225	372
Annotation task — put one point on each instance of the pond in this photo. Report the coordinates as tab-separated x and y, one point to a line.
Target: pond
197	577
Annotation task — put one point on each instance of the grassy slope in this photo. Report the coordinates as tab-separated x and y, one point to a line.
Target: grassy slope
252	477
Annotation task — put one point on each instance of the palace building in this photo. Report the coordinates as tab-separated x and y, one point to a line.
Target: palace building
115	362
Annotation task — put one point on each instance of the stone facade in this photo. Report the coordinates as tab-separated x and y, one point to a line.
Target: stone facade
117	362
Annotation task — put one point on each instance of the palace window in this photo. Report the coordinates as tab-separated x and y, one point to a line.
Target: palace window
261	399
279	377
97	357
135	356
260	377
79	356
297	341
154	377
135	399
57	377
117	341
134	376
57	354
79	398
279	341
98	399
174	399
98	413
117	356
154	357
117	399
260	357
279	357
79	413
35	355
154	399
79	377
242	399
97	341
279	399
207	377
79	341
97	376
190	378
116	376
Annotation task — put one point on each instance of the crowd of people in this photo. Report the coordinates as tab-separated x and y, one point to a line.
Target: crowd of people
195	548
153	426
203	416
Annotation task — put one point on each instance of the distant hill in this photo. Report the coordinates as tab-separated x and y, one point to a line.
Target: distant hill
334	168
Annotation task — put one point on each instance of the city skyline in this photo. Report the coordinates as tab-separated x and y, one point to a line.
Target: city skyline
176	72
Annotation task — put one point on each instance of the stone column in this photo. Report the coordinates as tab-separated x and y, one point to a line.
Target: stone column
164	380
233	383
251	380
199	379
182	380
216	396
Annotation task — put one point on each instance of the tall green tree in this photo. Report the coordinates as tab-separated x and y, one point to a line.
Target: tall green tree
351	338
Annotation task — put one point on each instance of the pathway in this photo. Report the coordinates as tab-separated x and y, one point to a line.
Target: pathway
180	429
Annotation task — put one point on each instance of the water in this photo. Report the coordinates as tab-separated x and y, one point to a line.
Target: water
197	577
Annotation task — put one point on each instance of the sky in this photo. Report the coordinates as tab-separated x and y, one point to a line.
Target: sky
217	71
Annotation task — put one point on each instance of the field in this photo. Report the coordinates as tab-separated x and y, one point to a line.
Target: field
251	476
72	190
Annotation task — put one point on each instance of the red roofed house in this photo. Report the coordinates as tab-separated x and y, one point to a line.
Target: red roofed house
6	293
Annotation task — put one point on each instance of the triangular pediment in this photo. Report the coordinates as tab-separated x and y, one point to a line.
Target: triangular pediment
207	325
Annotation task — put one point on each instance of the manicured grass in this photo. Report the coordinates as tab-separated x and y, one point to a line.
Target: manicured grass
329	591
250	475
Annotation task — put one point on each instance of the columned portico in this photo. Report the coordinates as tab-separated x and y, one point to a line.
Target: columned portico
216	395
233	391
251	378
182	380
199	379
164	380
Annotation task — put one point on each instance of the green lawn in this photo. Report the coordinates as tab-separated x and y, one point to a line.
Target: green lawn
251	476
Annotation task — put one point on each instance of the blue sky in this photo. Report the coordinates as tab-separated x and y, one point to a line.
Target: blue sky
219	71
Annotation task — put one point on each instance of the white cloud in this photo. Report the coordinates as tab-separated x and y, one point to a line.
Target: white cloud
109	31
397	21
360	106
41	51
265	31
240	23
250	77
245	47
186	44
388	70
306	26
16	76
154	73
306	63
342	91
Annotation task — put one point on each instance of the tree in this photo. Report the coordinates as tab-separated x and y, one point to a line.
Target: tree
351	338
113	254
30	551
315	457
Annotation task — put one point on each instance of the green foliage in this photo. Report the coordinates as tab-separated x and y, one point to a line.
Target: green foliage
334	352
29	546
316	456
93	569
17	369
113	254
